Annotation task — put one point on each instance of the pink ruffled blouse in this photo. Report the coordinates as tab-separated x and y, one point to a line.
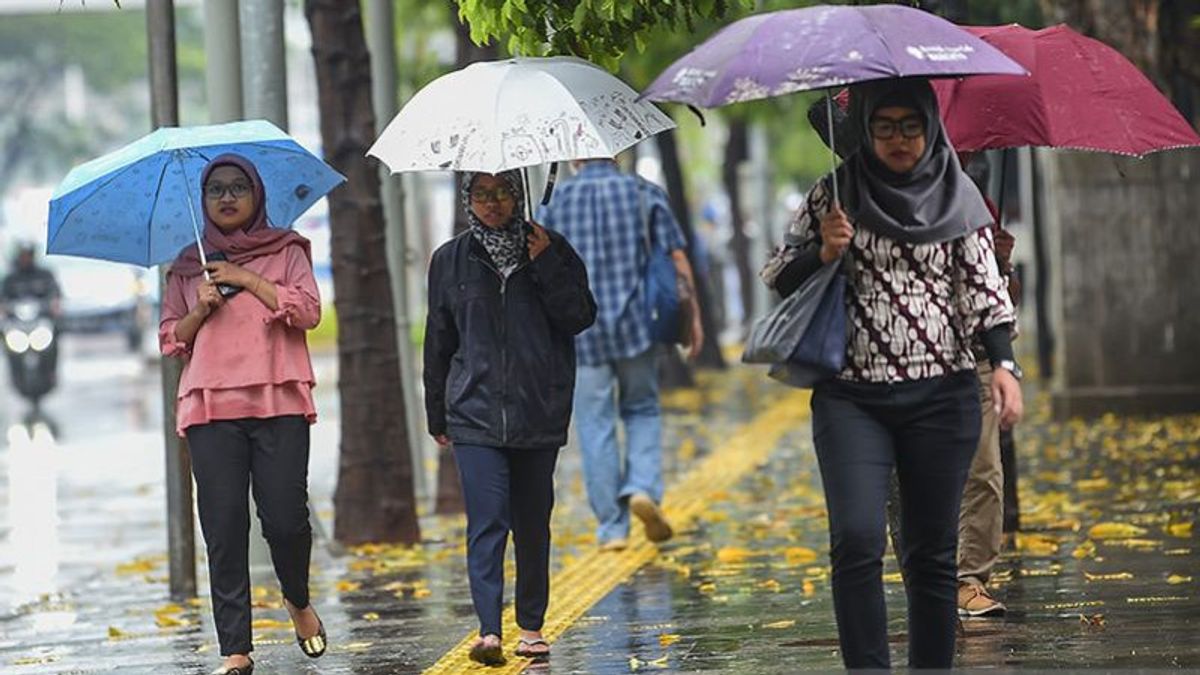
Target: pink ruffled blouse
246	360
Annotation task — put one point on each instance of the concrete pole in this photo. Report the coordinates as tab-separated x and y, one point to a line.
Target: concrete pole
381	41
264	70
164	111
222	60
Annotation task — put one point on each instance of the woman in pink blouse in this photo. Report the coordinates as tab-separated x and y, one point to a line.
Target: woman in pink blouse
245	397
923	286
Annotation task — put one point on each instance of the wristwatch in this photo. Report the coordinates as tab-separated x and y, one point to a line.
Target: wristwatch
1011	366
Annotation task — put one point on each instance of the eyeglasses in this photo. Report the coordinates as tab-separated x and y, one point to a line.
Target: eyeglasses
218	190
910	127
498	195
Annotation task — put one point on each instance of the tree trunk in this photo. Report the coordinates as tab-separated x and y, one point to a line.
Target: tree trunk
668	150
374	500
736	152
449	490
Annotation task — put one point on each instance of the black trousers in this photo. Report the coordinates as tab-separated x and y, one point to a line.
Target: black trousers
927	430
229	458
508	489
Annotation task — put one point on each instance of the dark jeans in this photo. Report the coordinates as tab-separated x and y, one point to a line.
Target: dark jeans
229	458
927	431
508	489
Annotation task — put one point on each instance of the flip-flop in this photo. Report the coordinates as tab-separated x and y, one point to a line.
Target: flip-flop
524	644
488	655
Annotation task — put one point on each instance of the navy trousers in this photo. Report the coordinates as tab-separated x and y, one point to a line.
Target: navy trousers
927	430
508	490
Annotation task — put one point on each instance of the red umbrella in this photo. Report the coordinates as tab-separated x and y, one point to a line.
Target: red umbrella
1081	94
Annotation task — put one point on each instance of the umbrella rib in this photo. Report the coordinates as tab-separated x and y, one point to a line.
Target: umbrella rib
162	175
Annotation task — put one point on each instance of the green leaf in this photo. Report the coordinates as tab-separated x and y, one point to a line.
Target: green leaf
579	18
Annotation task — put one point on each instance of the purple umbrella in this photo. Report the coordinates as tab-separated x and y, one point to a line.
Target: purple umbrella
821	47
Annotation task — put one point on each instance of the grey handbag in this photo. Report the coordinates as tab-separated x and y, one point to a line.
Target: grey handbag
774	337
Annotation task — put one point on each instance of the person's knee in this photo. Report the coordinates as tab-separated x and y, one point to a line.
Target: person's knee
857	545
287	525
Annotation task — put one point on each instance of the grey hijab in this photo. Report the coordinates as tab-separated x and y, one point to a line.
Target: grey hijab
507	245
936	201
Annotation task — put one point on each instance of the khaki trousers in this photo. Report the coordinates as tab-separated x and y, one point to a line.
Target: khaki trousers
981	519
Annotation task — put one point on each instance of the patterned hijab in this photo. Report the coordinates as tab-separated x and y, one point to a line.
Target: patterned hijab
506	245
935	201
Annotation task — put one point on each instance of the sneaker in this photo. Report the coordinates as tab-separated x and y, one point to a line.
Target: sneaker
657	527
615	545
974	600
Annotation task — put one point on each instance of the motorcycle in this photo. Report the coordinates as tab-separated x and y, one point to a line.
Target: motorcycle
31	342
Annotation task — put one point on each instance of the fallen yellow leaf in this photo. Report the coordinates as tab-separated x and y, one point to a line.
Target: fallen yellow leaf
799	555
1178	579
667	639
371	616
1115	531
770	585
115	633
270	624
777	625
1085	550
809	589
733	554
1113	576
708	587
1181	530
893	578
344	586
421	593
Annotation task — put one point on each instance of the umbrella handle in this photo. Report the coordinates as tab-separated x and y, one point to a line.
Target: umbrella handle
551	179
832	153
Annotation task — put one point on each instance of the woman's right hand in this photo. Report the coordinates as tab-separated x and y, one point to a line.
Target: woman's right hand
208	298
836	233
442	440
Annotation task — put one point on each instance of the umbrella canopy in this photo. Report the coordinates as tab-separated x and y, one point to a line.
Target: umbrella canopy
498	115
1082	94
142	204
823	46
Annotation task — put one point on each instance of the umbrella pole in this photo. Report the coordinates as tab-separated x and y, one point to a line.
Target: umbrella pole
832	152
195	223
1000	197
528	199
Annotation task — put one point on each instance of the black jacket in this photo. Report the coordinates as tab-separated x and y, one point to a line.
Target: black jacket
500	354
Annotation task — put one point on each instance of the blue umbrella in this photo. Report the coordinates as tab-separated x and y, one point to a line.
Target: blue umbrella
142	204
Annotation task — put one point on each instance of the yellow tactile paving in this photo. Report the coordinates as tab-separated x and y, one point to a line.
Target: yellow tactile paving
581	585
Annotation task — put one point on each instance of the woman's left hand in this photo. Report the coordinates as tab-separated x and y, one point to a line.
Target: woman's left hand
223	272
1006	397
538	239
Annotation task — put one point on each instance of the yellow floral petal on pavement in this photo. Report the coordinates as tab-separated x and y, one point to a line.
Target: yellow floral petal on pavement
1085	550
371	616
1115	531
733	554
799	555
667	639
1112	576
1178	579
1181	530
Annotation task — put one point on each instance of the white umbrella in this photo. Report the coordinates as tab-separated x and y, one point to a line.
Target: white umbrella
498	115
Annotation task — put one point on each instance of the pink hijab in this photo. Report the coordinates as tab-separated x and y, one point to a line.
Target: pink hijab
254	240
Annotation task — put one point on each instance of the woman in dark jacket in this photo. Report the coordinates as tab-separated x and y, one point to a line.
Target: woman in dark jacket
924	285
506	299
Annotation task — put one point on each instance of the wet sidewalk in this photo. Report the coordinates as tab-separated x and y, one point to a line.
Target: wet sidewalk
1103	576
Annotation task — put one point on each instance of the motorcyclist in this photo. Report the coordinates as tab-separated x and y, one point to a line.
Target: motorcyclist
28	280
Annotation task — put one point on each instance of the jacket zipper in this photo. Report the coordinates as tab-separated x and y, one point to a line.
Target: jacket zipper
503	344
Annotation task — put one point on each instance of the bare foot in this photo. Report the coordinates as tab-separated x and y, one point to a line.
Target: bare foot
304	621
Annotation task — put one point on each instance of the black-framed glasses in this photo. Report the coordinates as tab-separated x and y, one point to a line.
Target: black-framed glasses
498	195
909	127
217	190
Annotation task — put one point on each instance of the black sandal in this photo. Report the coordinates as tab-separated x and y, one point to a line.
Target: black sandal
313	647
488	655
247	669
